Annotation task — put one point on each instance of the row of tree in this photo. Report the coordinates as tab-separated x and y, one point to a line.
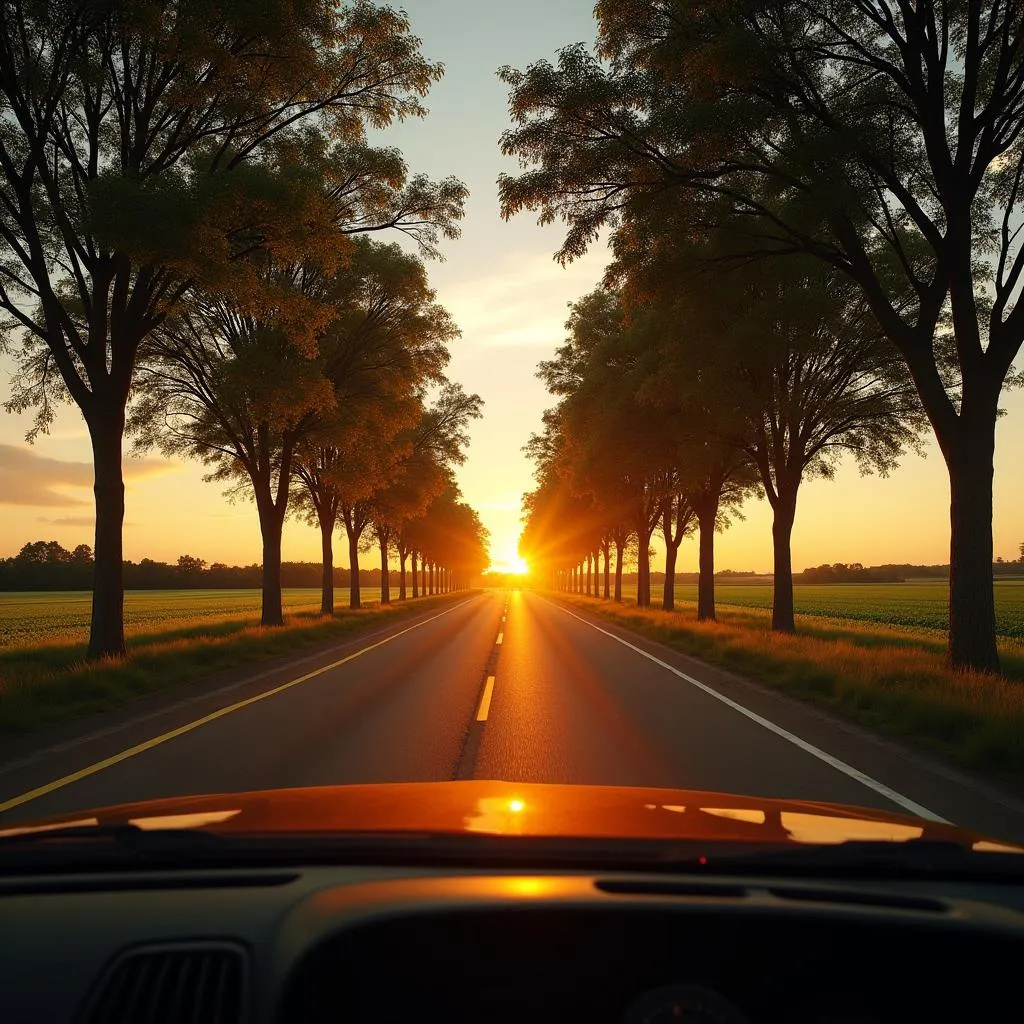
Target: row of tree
186	195
335	427
679	400
816	214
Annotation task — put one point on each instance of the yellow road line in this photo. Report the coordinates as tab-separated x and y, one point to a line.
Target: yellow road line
156	741
485	700
501	637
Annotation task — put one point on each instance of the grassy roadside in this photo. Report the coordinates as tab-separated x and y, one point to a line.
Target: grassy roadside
50	683
891	679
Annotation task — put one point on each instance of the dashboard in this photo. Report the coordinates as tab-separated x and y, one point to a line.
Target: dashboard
398	944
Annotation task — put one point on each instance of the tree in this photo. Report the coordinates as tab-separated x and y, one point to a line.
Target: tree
356	516
677	521
317	466
189	565
82	555
137	157
43	552
882	138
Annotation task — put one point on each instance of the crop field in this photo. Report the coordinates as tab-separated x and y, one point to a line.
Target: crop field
42	618
911	605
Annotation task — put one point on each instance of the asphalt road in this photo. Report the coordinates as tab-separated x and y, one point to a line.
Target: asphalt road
498	685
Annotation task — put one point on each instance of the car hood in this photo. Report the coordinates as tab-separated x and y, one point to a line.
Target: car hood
514	809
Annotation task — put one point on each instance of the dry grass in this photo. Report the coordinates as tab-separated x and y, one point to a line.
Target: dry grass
891	678
52	682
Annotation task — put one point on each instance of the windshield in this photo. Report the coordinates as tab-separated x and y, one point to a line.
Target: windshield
510	396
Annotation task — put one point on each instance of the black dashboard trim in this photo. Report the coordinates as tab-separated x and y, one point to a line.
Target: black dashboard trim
144	883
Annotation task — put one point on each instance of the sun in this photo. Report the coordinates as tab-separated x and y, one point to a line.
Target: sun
513	566
518	566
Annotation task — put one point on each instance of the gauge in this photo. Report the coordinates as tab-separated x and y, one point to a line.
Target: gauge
683	1004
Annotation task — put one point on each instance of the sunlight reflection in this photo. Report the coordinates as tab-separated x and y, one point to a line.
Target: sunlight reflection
736	814
196	820
529	886
501	815
823	828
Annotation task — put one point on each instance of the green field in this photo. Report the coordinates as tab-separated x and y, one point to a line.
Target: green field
33	618
912	605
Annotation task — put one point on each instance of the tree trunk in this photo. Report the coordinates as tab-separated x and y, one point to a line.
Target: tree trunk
106	631
668	593
432	567
783	620
415	577
327	579
590	566
607	568
402	556
643	571
385	576
643	566
270	525
619	546
972	613
706	518
354	594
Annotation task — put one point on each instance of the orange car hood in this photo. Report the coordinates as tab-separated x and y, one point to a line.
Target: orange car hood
519	809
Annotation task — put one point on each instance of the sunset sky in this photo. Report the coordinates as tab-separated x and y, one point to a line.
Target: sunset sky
509	298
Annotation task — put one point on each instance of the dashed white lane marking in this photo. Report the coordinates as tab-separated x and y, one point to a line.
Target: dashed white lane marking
485	700
92	769
841	766
501	636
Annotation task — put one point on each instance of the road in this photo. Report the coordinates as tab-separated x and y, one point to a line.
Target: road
495	685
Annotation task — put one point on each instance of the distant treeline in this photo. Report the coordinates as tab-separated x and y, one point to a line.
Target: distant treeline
842	572
839	572
46	565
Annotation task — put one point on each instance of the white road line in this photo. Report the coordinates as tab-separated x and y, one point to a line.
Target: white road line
501	636
92	769
865	780
485	700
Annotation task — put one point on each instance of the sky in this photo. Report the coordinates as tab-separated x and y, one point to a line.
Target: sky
510	300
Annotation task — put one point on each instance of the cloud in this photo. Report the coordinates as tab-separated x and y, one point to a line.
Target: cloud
67	520
89	521
524	302
30	479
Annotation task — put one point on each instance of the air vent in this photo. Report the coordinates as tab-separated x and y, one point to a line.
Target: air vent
172	985
658	887
885	900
